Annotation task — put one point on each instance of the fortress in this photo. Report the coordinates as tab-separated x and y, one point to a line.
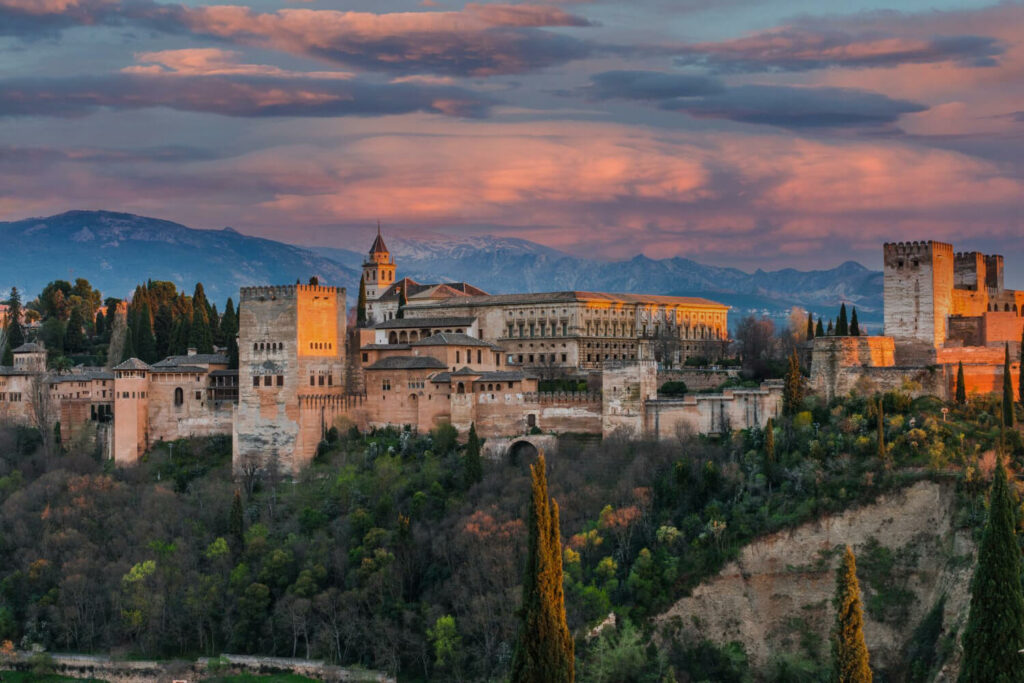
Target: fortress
941	309
428	354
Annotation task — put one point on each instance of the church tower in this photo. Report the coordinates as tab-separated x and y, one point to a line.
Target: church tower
378	276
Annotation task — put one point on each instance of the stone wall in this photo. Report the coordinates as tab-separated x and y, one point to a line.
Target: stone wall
835	359
625	388
698	379
918	285
713	413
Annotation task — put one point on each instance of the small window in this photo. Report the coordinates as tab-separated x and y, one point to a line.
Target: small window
280	380
330	380
199	396
321	380
267	379
312	381
366	357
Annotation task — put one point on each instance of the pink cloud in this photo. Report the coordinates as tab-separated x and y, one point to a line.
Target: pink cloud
214	62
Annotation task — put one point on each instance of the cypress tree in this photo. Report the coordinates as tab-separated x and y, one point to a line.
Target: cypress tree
403	301
849	651
995	628
7	359
961	387
163	326
881	429
129	348
74	334
810	326
15	334
236	524
793	393
842	327
361	304
854	324
229	328
145	342
1007	391
472	464
215	332
544	649
199	336
819	329
831	329
769	442
100	325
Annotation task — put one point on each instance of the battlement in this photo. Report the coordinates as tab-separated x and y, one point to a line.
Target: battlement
913	254
263	292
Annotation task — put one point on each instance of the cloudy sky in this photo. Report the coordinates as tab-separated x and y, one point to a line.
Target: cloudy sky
745	132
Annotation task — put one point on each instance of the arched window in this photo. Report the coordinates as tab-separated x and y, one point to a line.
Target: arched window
461	389
179	396
393	338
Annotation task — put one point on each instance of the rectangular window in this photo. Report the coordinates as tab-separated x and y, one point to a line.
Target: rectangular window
321	381
266	380
366	357
478	357
199	395
312	381
564	358
255	380
280	380
330	380
458	356
386	385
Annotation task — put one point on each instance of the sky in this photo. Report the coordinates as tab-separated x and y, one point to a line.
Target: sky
768	133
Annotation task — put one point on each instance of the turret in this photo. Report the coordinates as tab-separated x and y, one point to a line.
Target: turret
378	275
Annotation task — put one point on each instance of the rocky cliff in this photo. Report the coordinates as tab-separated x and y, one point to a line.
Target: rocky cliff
777	596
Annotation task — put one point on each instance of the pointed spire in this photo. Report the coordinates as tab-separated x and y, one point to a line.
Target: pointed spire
378	244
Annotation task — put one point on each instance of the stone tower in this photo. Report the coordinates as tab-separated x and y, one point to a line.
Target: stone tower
291	346
919	281
131	411
378	275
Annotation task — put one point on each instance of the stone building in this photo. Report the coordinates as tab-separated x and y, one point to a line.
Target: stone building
942	308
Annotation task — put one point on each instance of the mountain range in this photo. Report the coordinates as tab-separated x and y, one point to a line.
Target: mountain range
115	251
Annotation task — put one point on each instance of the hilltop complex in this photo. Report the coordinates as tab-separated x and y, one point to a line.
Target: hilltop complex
941	309
428	354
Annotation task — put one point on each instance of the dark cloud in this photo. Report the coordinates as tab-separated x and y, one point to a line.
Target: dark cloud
242	96
649	85
790	107
801	49
479	40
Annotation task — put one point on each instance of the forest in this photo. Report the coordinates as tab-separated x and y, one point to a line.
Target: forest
404	552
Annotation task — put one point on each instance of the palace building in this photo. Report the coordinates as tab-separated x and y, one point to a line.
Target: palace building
434	354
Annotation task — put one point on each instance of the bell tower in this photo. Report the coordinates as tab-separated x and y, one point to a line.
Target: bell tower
378	275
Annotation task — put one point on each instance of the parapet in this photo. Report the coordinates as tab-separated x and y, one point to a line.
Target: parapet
903	254
264	292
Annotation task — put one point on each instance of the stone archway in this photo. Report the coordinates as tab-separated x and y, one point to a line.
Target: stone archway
522	451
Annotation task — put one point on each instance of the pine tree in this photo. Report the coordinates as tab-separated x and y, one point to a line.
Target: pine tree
544	648
361	304
15	333
810	326
854	324
793	393
961	387
849	651
472	464
74	334
819	329
842	327
144	341
1008	417
994	633
236	524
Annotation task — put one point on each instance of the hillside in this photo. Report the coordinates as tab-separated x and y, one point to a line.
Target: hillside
116	251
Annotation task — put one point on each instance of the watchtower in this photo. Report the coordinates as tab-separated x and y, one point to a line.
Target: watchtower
378	275
918	283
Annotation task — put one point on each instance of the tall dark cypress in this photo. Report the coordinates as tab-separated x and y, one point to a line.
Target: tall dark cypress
229	328
361	304
236	525
854	324
1008	403
163	326
472	464
544	649
403	301
819	329
74	333
199	336
994	634
129	345
100	325
793	391
961	387
810	326
831	328
850	657
145	342
842	327
15	333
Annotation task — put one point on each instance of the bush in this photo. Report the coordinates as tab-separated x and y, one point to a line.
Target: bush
675	388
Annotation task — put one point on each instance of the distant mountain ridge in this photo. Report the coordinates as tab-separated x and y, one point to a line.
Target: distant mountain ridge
116	251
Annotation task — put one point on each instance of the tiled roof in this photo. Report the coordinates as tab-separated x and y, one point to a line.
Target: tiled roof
417	323
407	363
30	347
452	339
436	290
203	358
81	376
504	376
177	368
7	371
223	373
132	364
378	245
572	297
384	347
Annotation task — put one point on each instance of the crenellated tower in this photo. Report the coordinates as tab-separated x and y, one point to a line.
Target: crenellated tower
378	276
919	282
